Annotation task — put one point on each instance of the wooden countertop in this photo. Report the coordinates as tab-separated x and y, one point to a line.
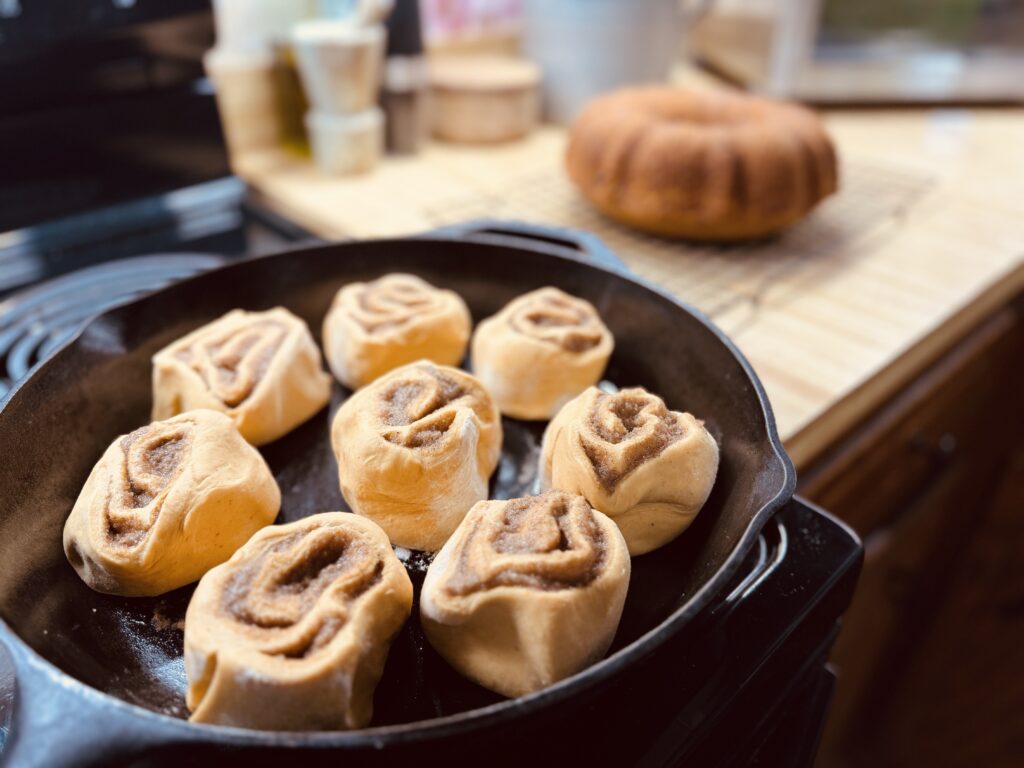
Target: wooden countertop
925	237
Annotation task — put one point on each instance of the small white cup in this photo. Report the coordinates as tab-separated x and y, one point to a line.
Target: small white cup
346	144
341	64
246	99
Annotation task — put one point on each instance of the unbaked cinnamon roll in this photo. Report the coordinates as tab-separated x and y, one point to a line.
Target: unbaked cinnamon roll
168	502
415	450
262	369
648	468
526	592
540	351
375	327
292	632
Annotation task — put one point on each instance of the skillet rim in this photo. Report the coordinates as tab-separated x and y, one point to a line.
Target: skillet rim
448	725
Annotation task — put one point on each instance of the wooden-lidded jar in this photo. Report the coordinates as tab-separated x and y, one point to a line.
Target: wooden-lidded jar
483	99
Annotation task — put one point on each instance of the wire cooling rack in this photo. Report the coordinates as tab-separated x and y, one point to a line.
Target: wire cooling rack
872	198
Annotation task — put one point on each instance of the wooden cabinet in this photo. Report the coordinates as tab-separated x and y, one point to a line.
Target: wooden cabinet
932	647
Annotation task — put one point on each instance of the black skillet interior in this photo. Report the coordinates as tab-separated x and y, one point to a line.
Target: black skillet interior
55	428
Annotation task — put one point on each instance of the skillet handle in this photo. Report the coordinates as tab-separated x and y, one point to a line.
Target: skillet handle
536	237
57	721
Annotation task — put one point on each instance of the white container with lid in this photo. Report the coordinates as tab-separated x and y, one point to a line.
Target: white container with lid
587	47
346	144
483	99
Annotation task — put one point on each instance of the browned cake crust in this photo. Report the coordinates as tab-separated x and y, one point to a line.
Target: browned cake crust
706	165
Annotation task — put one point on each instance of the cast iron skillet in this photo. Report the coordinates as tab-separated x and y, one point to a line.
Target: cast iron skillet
101	678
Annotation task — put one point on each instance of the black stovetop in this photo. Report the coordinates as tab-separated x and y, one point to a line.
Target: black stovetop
55	276
117	183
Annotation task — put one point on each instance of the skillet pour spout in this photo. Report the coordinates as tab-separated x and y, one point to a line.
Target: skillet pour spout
100	679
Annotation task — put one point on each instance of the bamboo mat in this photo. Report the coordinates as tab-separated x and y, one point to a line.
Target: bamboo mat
728	283
923	238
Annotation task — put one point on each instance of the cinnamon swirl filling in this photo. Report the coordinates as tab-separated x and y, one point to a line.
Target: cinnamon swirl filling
293	631
294	595
394	301
624	430
151	459
234	361
547	542
551	316
417	409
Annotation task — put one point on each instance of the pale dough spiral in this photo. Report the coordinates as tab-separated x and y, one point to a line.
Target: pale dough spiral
647	467
526	592
540	351
415	450
375	327
293	631
262	369
168	502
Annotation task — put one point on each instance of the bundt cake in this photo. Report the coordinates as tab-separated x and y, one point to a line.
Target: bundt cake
700	164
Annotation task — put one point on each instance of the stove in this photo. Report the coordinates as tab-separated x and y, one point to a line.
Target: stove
56	275
98	222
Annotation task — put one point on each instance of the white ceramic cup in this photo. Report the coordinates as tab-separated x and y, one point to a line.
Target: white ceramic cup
346	144
340	63
587	47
